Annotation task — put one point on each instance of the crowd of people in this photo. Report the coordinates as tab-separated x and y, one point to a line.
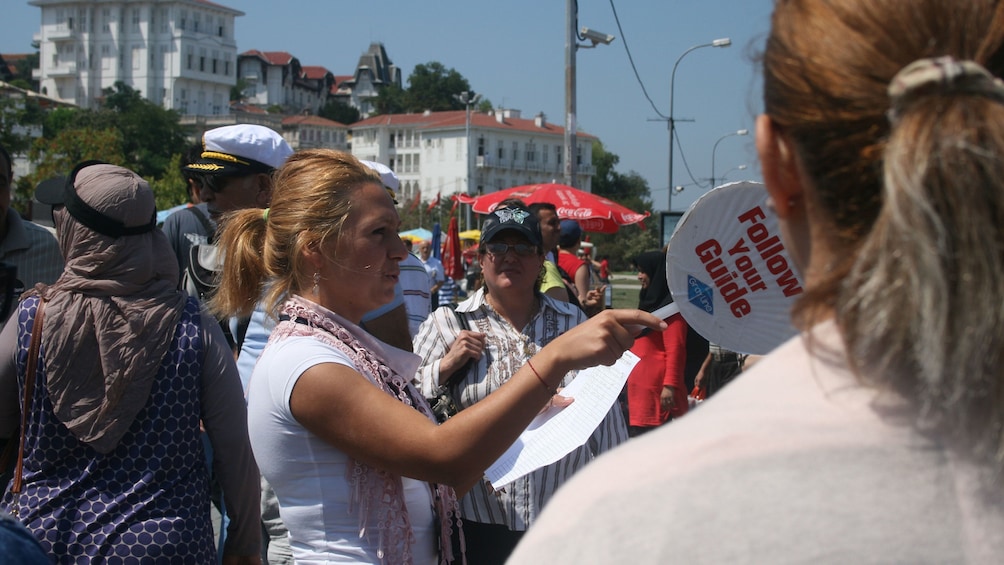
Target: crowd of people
268	355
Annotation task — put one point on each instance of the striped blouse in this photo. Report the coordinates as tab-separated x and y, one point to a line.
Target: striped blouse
507	349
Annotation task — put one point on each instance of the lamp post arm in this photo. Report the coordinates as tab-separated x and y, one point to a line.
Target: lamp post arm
721	42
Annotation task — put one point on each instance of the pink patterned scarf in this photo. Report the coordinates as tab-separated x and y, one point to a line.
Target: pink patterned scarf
375	489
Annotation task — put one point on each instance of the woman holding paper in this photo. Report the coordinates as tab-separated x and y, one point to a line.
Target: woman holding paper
356	459
877	435
510	321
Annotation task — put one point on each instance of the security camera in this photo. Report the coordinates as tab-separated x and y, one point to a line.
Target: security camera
596	37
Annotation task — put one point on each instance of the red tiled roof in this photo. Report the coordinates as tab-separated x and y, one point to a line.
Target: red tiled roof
311	121
458	118
314	71
270	57
278	57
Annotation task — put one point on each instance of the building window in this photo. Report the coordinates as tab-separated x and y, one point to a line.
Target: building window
557	154
106	20
196	20
82	18
501	150
543	149
202	60
191	58
531	152
183	20
136	57
219	26
135	19
226	68
515	151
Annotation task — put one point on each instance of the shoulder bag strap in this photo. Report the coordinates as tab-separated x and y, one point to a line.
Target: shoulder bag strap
29	389
467	366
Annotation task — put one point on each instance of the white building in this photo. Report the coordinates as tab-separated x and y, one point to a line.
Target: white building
429	152
180	54
311	132
276	78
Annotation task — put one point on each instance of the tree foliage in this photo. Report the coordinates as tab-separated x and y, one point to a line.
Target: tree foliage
632	191
170	189
18	114
340	112
128	130
431	86
150	133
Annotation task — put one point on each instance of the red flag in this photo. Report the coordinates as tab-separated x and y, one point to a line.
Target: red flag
456	202
418	198
452	261
434	203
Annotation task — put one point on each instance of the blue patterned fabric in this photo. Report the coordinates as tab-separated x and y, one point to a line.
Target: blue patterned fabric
145	502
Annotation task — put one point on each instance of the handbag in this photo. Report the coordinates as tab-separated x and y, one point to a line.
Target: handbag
29	389
444	405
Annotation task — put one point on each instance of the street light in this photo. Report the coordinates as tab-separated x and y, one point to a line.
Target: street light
726	173
723	42
715	148
467	100
572	44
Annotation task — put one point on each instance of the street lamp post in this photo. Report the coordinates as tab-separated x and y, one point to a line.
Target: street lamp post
723	42
715	148
571	46
726	173
467	100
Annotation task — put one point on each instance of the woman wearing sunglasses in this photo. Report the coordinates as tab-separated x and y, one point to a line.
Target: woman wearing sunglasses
508	321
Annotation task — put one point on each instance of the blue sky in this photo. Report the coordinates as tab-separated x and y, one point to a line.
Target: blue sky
514	54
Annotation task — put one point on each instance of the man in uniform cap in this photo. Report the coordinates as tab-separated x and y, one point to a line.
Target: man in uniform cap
235	169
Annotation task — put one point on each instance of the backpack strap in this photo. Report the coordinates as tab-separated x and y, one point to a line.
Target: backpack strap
204	220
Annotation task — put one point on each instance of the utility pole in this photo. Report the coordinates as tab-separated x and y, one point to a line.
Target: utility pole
571	44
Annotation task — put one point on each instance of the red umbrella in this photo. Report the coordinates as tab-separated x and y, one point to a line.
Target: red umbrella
452	260
593	212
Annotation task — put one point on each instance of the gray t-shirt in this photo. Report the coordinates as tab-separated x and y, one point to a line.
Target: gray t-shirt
184	229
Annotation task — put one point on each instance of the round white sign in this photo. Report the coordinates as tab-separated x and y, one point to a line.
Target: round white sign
729	272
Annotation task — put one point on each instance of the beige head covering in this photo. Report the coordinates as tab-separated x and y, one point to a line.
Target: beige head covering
113	312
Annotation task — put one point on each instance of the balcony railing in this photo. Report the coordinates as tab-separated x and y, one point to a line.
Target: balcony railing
64	69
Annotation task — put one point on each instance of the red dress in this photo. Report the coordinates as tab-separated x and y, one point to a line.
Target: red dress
663	358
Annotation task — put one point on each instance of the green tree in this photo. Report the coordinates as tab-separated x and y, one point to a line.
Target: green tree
18	114
58	155
150	134
340	112
432	86
170	189
23	71
632	191
391	100
237	90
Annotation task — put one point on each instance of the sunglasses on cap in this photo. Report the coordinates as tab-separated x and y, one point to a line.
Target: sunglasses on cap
521	249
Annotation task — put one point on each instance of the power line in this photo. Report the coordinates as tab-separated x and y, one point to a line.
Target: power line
631	60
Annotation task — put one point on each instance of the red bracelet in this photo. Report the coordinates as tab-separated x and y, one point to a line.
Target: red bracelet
549	390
